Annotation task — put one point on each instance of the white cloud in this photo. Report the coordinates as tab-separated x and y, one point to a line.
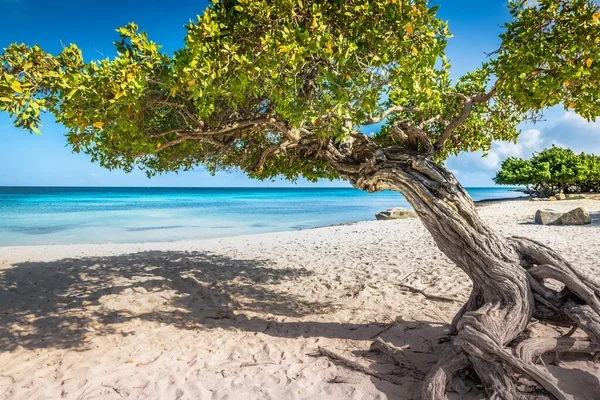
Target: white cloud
571	116
531	138
529	141
508	149
492	160
578	120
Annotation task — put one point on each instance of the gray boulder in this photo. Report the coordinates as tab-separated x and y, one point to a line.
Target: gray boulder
396	213
578	216
547	216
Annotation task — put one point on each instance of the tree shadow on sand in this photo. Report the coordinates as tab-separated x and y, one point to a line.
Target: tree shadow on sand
55	304
595	218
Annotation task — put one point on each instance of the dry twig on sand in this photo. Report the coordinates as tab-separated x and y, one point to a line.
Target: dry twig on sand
358	367
427	295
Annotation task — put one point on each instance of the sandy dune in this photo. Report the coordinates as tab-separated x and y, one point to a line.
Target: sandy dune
242	317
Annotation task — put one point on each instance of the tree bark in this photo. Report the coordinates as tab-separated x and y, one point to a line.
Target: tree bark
505	293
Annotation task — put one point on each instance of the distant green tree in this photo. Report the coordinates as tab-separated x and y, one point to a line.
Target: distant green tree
552	171
286	88
516	171
557	167
588	173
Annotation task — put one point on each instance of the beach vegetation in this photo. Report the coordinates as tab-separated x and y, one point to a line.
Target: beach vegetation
551	171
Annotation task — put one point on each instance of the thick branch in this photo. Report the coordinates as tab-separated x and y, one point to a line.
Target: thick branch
464	114
416	134
264	121
201	135
437	118
273	149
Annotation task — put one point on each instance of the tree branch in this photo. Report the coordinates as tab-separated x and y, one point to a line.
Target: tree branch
200	135
273	149
417	134
483	98
437	118
182	108
389	111
464	114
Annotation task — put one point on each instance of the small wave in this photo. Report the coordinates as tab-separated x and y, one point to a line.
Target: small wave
153	228
259	225
39	230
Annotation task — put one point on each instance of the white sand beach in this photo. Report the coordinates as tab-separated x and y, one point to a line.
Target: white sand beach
242	317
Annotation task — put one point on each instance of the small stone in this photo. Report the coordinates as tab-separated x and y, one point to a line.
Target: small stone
552	198
396	213
578	216
548	216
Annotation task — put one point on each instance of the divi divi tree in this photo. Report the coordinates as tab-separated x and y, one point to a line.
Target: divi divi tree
287	88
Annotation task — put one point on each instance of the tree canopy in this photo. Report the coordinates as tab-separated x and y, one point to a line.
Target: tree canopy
553	170
268	86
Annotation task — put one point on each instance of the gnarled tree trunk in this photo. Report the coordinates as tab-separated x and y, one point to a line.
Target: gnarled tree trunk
507	277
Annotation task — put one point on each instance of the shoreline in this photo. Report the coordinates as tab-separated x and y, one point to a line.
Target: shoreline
500	200
478	203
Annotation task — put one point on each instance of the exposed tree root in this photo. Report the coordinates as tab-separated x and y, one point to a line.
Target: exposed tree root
586	319
482	335
529	350
475	301
452	361
478	345
486	330
543	263
509	287
478	336
491	319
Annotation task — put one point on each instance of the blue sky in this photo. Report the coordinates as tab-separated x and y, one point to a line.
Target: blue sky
32	160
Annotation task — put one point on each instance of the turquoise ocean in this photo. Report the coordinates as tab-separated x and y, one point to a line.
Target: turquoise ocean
69	215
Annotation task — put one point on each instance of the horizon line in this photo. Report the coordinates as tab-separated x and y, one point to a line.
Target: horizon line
222	187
